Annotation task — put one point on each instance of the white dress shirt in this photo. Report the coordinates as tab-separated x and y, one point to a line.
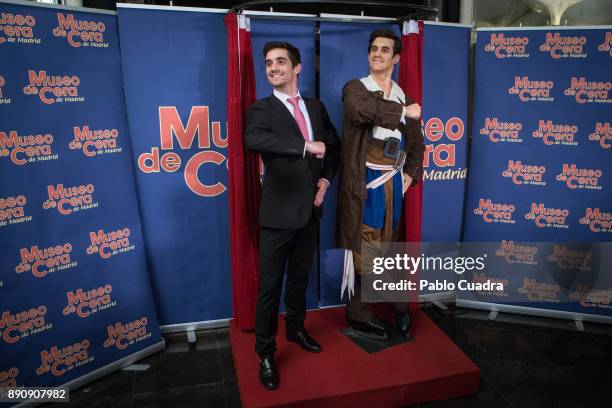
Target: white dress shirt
284	98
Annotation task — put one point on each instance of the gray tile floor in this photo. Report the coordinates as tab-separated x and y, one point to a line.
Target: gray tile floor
524	361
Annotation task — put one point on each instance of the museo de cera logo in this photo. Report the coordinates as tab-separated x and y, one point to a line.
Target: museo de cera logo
42	262
167	160
3	99
109	244
442	155
80	33
123	335
495	212
596	220
507	47
537	291
85	303
23	324
521	173
12	210
528	90
602	134
17	28
58	361
566	258
22	149
53	88
559	46
544	217
574	177
589	91
556	134
517	254
606	46
498	131
587	296
94	142
8	378
68	200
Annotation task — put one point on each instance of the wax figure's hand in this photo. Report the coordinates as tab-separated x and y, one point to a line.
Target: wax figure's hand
316	148
407	181
413	111
322	188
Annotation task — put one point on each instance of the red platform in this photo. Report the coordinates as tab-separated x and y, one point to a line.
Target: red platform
430	368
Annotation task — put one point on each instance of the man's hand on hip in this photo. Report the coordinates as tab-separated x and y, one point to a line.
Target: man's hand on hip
322	185
316	148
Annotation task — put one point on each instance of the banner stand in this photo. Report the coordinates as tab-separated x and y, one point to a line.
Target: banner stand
567	69
107	369
578	318
192	326
91	311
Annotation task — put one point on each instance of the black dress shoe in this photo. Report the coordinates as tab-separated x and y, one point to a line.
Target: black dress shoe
268	374
302	338
372	329
404	322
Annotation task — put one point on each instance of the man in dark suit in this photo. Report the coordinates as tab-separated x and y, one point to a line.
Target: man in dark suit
300	150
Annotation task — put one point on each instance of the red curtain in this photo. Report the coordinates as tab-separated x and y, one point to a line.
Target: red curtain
410	80
244	185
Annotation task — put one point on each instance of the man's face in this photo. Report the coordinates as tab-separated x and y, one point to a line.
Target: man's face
381	56
279	68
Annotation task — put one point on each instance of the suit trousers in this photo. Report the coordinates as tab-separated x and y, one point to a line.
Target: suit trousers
292	249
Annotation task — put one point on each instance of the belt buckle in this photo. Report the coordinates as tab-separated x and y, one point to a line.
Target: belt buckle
392	148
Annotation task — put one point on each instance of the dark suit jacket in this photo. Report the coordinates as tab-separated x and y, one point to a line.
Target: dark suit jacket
290	181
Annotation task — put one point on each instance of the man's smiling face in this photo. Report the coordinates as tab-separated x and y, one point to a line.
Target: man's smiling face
279	68
381	56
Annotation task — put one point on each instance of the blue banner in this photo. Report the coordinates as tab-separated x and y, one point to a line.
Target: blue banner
74	291
445	111
175	70
540	161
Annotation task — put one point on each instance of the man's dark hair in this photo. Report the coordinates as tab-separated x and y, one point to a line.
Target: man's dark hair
294	53
397	43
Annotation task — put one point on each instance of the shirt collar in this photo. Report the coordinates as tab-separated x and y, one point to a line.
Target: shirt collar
397	95
283	96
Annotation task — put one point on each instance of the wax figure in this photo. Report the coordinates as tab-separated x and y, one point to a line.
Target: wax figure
300	149
382	154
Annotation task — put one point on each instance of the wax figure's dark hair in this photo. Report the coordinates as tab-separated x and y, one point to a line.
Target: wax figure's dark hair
294	53
397	43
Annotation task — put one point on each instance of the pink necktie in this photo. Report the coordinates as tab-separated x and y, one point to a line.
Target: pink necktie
299	116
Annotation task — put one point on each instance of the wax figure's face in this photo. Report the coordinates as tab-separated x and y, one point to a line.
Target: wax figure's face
381	58
280	70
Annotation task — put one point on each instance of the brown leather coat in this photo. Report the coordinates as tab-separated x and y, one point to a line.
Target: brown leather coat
363	110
